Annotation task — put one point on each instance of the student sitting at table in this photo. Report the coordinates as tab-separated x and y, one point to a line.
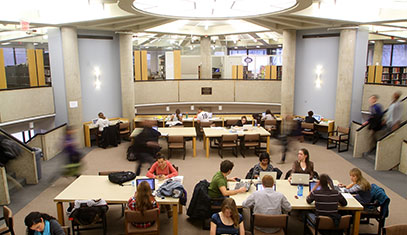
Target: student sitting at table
303	165
161	169
176	116
267	202
218	186
41	223
242	121
310	118
228	221
269	116
102	122
360	187
326	200
142	200
202	115
263	165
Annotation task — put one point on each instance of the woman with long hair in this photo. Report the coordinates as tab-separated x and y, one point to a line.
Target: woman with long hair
303	165
141	201
40	223
228	221
360	187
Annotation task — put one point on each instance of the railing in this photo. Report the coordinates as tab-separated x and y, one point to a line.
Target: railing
49	141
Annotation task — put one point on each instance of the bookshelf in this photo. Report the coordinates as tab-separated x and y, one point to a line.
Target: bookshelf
394	75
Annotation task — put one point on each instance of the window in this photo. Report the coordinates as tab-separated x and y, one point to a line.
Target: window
258	52
399	57
386	56
237	52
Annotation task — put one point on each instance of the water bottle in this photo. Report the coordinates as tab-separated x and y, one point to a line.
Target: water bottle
300	188
186	115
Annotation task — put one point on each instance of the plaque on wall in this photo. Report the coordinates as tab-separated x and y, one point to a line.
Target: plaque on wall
206	90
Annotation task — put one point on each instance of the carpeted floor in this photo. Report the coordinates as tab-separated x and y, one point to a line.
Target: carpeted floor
195	169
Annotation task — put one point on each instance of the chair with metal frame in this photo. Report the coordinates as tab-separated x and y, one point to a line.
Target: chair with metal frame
228	141
341	135
249	141
308	129
270	221
124	129
271	126
326	223
398	229
176	142
8	220
138	217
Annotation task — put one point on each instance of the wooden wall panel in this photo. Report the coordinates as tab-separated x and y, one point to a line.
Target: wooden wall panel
379	72
371	73
3	81
234	71
137	66
274	72
144	70
40	67
177	64
240	72
32	67
268	72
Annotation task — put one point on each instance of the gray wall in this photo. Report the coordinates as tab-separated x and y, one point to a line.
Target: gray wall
102	53
362	37
310	53
57	75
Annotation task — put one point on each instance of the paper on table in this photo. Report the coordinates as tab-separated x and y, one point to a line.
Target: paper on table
347	195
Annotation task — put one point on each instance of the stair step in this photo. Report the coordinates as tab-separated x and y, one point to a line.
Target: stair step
15	184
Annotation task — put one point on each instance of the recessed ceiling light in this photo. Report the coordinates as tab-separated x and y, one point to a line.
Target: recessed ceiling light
257	46
401	40
279	45
235	47
6	43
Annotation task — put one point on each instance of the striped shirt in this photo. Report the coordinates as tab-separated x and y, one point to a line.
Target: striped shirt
326	201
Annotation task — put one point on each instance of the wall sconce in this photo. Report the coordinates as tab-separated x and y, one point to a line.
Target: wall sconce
318	81
97	78
192	107
167	108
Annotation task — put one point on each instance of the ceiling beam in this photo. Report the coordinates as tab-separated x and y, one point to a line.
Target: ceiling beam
300	20
185	41
282	22
129	25
255	36
147	26
157	36
273	26
117	21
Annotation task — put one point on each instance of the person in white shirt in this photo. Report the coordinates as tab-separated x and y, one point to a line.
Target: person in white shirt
269	116
267	202
202	116
102	122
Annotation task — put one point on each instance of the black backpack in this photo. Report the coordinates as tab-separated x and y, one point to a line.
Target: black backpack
121	177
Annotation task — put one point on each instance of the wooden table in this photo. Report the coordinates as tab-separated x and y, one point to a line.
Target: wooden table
217	132
284	187
89	127
94	186
175	131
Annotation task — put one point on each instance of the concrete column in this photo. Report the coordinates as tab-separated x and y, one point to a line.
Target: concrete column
72	80
29	45
206	58
126	75
288	76
346	61
378	53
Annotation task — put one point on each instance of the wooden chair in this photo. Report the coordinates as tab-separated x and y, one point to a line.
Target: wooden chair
398	229
250	140
271	126
270	221
200	126
228	141
308	129
341	135
8	220
137	217
326	223
124	130
231	122
176	142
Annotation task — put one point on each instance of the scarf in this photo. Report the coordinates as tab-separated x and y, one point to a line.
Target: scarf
47	229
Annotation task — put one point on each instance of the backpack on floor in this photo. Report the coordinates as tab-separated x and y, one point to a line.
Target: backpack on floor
121	177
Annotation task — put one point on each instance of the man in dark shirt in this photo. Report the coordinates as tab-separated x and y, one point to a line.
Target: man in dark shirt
146	145
310	118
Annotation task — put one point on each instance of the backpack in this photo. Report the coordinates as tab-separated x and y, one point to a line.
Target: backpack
87	214
131	156
121	177
9	149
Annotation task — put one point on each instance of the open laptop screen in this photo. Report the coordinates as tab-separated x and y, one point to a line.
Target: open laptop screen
317	117
312	184
151	182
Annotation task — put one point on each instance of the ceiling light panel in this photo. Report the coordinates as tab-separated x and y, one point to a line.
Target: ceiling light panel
215	9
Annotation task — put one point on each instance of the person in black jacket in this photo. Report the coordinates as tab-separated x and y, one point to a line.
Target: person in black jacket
146	145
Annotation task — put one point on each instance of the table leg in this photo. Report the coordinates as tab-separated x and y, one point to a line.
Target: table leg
87	135
268	144
175	219
356	222
60	213
179	208
194	145
207	147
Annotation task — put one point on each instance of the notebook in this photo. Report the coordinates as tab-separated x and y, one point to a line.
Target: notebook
151	182
261	187
272	173
299	179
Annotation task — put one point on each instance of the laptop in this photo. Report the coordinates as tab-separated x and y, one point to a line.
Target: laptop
210	115
260	187
151	182
245	184
94	121
297	179
317	117
312	185
272	173
155	128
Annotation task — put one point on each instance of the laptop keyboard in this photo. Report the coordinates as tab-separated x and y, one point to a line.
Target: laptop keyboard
243	184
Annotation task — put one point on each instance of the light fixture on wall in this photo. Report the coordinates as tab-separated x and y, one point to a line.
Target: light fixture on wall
97	78
318	71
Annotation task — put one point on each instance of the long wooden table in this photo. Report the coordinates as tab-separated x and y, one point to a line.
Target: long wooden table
94	186
89	127
175	131
217	132
290	191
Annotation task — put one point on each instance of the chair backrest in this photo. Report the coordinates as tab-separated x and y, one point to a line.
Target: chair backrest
271	221
138	217
343	130
124	126
231	122
305	125
229	138
8	218
251	137
398	229
205	124
270	122
326	223
175	139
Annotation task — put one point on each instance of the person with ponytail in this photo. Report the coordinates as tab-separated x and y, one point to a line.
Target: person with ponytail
228	221
42	224
142	200
359	187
